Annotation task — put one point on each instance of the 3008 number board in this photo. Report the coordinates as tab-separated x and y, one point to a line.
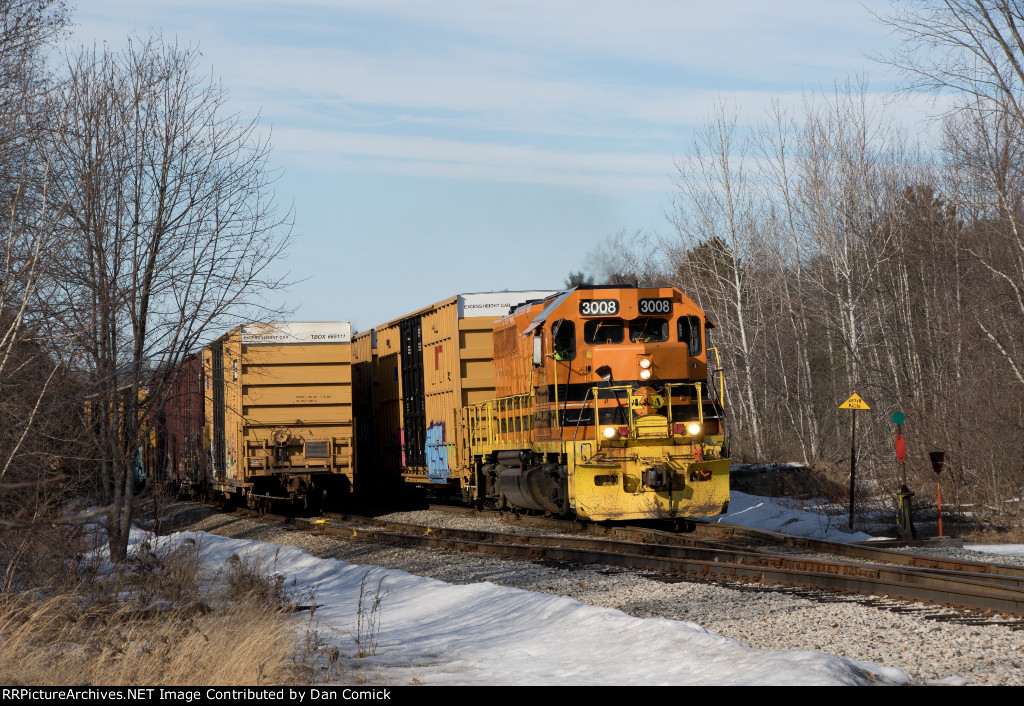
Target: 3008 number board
599	307
655	306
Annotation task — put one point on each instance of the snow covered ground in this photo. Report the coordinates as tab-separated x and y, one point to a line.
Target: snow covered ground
432	632
1001	549
812	519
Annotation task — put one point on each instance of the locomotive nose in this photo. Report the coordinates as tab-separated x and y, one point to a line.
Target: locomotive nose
638	362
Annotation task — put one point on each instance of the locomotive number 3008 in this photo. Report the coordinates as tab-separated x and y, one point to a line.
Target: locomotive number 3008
655	306
599	307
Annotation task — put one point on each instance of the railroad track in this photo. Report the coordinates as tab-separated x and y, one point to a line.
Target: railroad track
964	585
721	535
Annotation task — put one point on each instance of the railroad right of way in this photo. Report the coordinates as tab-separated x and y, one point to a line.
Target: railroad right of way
929	643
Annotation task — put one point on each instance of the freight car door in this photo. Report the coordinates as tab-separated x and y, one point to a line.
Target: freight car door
219	440
414	402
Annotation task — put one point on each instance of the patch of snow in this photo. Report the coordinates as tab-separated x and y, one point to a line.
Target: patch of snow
433	632
821	521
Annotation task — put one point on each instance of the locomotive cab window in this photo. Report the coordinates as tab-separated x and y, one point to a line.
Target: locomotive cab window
689	333
563	339
648	330
598	331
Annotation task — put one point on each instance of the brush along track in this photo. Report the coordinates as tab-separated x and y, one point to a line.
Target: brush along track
675	554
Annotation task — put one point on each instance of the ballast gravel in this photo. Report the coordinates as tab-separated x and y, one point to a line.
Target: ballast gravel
919	639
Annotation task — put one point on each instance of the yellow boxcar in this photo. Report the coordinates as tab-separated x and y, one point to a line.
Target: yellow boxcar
431	363
279	422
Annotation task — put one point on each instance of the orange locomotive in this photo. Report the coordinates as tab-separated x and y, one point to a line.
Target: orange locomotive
604	409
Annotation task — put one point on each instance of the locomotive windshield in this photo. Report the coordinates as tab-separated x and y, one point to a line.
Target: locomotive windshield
648	330
597	331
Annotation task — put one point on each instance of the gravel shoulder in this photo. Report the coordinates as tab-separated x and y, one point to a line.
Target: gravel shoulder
929	649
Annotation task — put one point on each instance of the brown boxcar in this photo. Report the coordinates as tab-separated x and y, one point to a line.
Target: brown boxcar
183	412
279	411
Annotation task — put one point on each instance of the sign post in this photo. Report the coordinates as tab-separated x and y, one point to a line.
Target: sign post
904	515
938	459
901	445
853	404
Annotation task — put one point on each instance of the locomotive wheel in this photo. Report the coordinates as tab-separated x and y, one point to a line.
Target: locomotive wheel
685	525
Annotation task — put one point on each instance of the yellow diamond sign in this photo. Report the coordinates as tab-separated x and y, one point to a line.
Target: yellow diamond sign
855	402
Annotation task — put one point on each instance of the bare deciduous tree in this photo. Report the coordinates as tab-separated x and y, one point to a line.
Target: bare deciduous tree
715	209
173	227
969	49
37	428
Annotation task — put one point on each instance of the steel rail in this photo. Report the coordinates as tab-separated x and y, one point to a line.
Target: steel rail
765	537
964	589
861	551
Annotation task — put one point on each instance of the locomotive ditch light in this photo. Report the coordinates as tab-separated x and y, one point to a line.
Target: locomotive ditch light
610	433
691	428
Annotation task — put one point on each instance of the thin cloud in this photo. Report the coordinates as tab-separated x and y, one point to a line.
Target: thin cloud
350	151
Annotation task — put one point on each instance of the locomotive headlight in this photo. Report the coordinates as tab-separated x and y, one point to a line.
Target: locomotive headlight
610	433
693	428
645	374
645	363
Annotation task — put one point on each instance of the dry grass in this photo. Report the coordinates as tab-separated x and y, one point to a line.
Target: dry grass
53	642
158	620
1001	535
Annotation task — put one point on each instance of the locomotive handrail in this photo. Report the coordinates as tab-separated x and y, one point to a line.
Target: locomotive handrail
721	377
491	413
700	400
597	409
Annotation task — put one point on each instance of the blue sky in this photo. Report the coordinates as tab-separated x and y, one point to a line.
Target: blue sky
434	148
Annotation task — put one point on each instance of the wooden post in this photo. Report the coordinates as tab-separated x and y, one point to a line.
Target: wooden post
938	459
